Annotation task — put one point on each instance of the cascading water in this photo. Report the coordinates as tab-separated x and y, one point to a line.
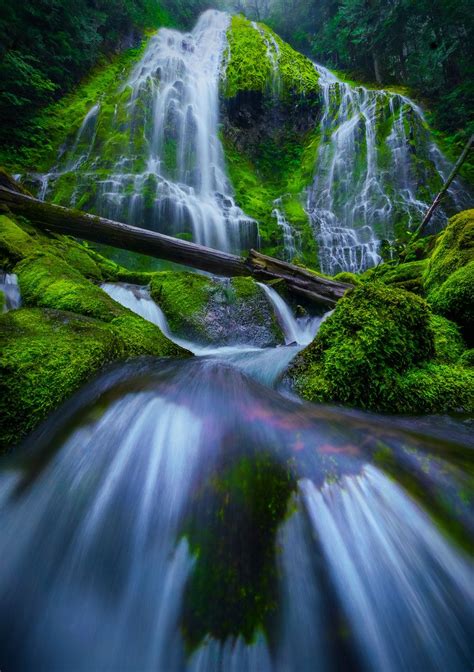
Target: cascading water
377	170
179	516
11	291
291	239
156	160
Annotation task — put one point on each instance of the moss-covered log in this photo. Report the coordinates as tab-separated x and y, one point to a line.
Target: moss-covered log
89	227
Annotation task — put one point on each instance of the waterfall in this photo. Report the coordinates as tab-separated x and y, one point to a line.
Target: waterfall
300	330
291	239
377	171
10	288
156	161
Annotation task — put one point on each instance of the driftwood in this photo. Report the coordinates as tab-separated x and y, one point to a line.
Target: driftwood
445	187
57	219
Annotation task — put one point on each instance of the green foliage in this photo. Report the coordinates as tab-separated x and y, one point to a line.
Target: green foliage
407	276
49	45
434	388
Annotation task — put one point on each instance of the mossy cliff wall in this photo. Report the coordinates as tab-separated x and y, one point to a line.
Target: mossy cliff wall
271	105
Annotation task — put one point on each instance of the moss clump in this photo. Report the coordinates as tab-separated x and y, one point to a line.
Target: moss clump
467	358
233	593
407	276
453	250
455	299
449	344
183	297
383	350
434	388
73	330
345	276
249	67
374	333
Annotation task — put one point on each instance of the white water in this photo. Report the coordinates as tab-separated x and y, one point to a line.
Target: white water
10	288
291	239
363	185
263	364
393	573
301	330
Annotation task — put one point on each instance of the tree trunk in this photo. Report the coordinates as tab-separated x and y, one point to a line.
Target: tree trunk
57	219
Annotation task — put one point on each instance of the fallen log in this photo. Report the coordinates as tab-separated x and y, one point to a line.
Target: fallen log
57	219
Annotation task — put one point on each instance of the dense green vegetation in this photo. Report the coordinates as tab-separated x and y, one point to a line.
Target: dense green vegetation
384	349
427	45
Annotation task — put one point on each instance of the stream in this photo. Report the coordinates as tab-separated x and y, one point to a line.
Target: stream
191	515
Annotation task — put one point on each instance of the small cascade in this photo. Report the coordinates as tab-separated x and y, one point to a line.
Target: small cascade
300	331
157	161
291	240
376	543
377	171
138	300
11	290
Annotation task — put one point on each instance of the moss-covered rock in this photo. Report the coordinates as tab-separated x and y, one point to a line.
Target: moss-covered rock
249	66
407	276
454	249
68	330
374	333
455	299
383	350
217	312
449	344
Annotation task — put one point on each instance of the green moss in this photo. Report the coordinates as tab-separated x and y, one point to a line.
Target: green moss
245	289
467	358
434	388
374	333
449	344
47	353
183	297
383	350
454	249
249	67
61	120
2	302
233	593
455	298
408	276
345	276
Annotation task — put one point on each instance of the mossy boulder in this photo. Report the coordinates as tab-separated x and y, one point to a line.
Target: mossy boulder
407	276
217	312
383	350
374	333
449	277
249	66
455	299
68	330
454	249
47	354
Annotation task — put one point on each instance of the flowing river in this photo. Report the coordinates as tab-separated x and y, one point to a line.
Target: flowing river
191	515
